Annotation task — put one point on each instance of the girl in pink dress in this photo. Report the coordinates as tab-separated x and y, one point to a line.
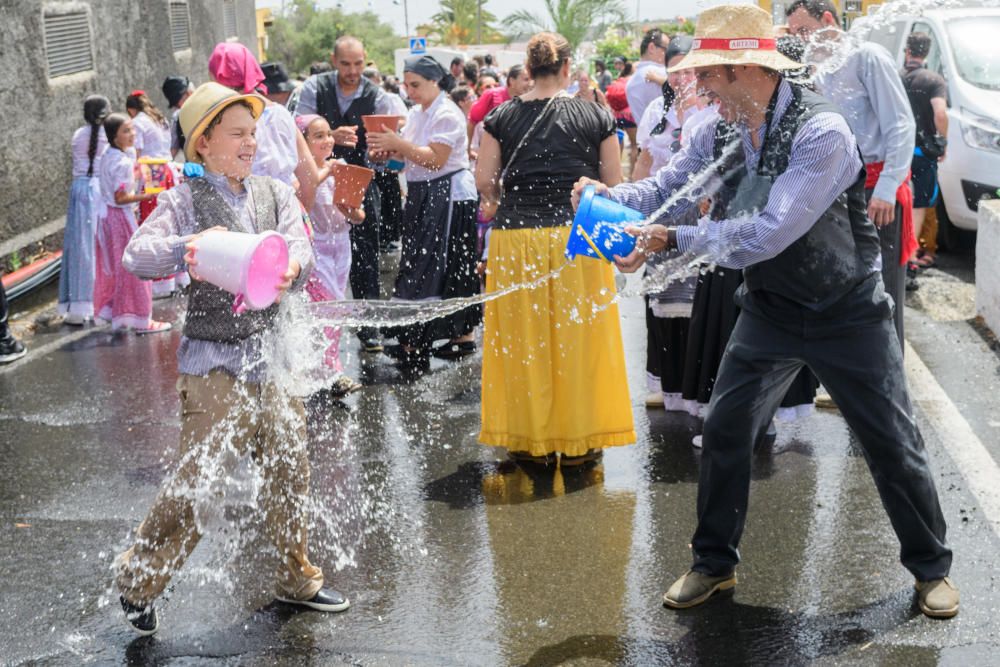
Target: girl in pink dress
120	297
331	243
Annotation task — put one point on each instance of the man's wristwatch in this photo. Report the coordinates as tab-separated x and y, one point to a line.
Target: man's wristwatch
671	238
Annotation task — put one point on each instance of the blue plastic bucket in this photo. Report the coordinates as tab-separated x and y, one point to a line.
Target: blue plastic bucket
598	229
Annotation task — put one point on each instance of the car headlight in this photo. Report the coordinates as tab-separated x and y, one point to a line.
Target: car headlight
980	132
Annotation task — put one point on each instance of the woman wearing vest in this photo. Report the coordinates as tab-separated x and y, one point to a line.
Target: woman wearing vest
229	404
554	385
438	233
812	296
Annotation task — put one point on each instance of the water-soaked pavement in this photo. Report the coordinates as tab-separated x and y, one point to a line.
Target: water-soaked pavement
453	558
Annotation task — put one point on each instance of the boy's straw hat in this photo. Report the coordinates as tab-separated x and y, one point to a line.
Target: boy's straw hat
735	35
206	102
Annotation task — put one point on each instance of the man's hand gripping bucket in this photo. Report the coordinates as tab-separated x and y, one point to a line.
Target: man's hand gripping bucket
598	229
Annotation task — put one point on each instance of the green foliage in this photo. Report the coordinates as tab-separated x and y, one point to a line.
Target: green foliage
686	28
614	44
304	34
573	19
456	23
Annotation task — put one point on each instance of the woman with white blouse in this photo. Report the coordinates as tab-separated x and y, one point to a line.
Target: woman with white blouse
438	259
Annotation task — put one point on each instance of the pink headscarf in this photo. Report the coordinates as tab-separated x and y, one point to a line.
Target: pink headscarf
234	66
303	122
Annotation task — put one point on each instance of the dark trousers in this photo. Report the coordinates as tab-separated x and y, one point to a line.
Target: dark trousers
893	274
861	365
364	276
4	329
392	206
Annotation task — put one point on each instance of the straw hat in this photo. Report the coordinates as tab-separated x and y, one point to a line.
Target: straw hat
735	35
206	102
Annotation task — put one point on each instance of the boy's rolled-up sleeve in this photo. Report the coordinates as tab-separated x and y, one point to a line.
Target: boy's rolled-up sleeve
156	249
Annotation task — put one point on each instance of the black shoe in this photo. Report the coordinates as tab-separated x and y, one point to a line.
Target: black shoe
142	619
414	357
326	599
455	350
11	349
766	441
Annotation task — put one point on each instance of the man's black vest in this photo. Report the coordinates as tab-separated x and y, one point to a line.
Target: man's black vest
363	105
839	252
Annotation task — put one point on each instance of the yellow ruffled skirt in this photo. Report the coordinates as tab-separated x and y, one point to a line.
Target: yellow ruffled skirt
553	362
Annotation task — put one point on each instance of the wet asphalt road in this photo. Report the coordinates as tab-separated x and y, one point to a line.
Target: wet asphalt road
453	558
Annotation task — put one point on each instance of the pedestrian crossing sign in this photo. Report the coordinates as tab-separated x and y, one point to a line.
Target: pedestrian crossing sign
418	45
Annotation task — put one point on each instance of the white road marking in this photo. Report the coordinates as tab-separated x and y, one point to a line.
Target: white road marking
971	458
42	350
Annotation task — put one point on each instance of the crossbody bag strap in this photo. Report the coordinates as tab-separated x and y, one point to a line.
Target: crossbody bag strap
527	135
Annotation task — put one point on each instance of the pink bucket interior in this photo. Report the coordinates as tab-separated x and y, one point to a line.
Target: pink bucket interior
268	263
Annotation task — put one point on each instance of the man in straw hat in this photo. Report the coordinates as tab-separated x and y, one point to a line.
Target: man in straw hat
794	219
230	407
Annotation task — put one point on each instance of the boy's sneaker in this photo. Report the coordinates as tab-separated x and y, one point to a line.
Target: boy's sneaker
11	349
142	619
326	599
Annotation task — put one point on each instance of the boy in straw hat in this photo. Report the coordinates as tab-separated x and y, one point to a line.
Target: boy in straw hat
793	216
228	406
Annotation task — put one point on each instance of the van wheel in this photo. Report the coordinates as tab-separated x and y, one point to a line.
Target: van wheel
949	237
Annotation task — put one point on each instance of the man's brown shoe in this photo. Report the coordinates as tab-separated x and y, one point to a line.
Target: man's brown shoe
937	598
693	588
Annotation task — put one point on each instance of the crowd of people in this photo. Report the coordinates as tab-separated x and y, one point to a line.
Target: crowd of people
807	217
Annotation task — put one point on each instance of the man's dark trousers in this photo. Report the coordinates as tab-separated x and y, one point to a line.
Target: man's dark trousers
364	276
856	355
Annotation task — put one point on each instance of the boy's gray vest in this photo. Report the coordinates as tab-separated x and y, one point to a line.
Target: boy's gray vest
210	308
837	254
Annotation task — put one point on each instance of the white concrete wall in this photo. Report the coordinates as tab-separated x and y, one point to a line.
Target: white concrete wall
988	264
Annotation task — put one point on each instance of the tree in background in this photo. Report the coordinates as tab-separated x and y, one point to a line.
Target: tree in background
681	27
573	19
456	23
303	34
615	44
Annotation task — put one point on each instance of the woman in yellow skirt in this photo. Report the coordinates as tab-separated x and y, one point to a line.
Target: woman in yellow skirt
553	363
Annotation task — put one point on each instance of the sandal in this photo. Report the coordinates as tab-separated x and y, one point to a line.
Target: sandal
154	327
453	350
344	385
926	262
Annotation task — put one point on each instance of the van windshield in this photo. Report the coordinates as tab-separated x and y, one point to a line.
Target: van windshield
977	50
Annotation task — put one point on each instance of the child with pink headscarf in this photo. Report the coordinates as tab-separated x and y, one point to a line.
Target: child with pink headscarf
331	242
282	152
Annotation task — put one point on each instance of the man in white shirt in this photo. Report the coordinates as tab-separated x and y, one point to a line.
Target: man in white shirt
641	89
865	84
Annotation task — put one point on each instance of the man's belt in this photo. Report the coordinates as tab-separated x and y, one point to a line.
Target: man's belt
904	195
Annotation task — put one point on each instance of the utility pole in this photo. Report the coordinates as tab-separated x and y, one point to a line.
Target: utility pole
406	18
479	21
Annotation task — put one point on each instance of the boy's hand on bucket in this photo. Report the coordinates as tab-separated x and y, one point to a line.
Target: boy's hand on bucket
192	246
578	187
286	280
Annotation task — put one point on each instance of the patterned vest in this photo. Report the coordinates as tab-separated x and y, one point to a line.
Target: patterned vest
210	309
837	254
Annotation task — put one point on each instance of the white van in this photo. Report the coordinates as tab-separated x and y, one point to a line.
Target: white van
966	52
